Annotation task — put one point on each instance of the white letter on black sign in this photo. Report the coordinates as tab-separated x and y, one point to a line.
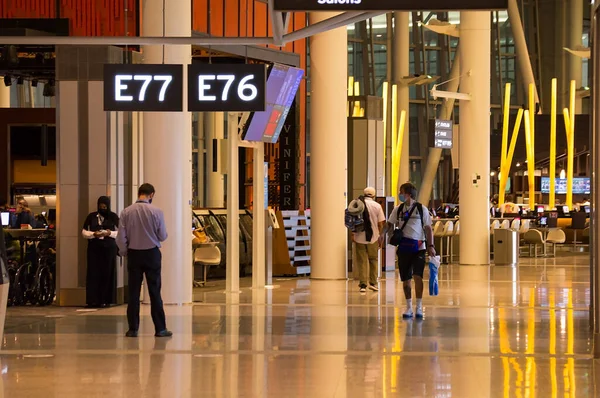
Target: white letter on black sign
119	87
166	81
230	79
202	87
146	79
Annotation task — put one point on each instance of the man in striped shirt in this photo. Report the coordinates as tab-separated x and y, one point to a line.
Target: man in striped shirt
141	231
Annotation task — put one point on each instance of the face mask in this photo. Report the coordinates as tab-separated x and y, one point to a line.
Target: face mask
402	198
103	212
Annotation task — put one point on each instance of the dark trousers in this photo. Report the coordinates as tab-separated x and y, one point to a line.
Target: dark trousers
140	263
101	265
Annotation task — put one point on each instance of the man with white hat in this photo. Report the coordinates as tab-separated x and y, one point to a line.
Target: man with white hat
368	242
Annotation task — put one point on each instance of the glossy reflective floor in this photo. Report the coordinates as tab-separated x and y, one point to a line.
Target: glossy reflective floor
492	332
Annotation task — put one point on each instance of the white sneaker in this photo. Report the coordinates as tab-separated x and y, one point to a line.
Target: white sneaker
374	288
419	313
408	314
363	289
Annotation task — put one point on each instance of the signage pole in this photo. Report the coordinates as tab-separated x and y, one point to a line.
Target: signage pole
233	205
258	215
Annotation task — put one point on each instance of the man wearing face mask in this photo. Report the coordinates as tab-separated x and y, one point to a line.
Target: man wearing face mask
141	232
415	221
100	229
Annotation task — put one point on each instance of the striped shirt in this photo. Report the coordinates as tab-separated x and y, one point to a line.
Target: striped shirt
141	227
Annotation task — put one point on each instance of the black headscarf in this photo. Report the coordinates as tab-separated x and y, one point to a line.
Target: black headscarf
106	213
104	200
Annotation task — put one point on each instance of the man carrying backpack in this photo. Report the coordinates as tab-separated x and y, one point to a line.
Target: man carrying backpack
368	242
411	225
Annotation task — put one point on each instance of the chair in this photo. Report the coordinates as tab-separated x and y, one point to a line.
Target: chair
578	223
556	237
438	232
204	257
505	224
495	225
516	225
524	227
447	233
455	235
534	238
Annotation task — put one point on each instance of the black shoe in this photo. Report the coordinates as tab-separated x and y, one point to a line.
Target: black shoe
131	333
92	306
164	333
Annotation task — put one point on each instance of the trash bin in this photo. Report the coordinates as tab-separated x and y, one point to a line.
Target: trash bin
506	247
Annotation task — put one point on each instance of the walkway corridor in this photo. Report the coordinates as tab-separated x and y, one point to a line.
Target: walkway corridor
492	332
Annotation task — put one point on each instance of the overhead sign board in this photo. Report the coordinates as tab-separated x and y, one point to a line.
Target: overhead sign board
442	134
389	5
143	88
226	87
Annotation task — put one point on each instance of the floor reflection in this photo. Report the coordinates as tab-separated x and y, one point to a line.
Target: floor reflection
492	332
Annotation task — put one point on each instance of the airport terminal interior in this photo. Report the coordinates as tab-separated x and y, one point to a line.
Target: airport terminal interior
271	130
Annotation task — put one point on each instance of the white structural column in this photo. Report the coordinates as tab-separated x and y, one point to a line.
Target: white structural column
575	41
474	172
168	150
215	181
435	154
520	47
329	146
402	69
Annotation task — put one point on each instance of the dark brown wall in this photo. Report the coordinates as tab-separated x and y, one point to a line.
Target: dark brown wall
10	116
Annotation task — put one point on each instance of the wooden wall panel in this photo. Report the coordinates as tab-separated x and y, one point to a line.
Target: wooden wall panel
216	17
88	17
260	19
232	19
199	17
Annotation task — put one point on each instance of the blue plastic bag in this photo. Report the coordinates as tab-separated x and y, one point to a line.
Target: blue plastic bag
434	265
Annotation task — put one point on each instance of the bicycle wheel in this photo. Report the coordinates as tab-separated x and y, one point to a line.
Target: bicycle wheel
12	273
22	285
44	287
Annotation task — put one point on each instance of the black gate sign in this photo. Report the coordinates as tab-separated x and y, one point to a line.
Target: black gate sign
226	87
143	88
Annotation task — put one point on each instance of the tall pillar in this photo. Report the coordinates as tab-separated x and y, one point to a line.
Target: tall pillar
215	181
329	150
90	154
435	154
4	95
168	149
474	142
523	58
402	69
575	41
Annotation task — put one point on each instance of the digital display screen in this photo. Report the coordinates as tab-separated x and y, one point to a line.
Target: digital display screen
581	185
282	85
5	217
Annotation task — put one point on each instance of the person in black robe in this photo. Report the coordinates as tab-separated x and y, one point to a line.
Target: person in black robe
100	228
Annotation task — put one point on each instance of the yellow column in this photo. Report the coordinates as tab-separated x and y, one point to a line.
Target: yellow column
530	160
503	156
552	198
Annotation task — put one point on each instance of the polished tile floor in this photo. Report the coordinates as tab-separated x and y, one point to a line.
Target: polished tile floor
492	332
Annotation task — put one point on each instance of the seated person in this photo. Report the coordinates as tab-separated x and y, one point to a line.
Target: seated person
23	216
